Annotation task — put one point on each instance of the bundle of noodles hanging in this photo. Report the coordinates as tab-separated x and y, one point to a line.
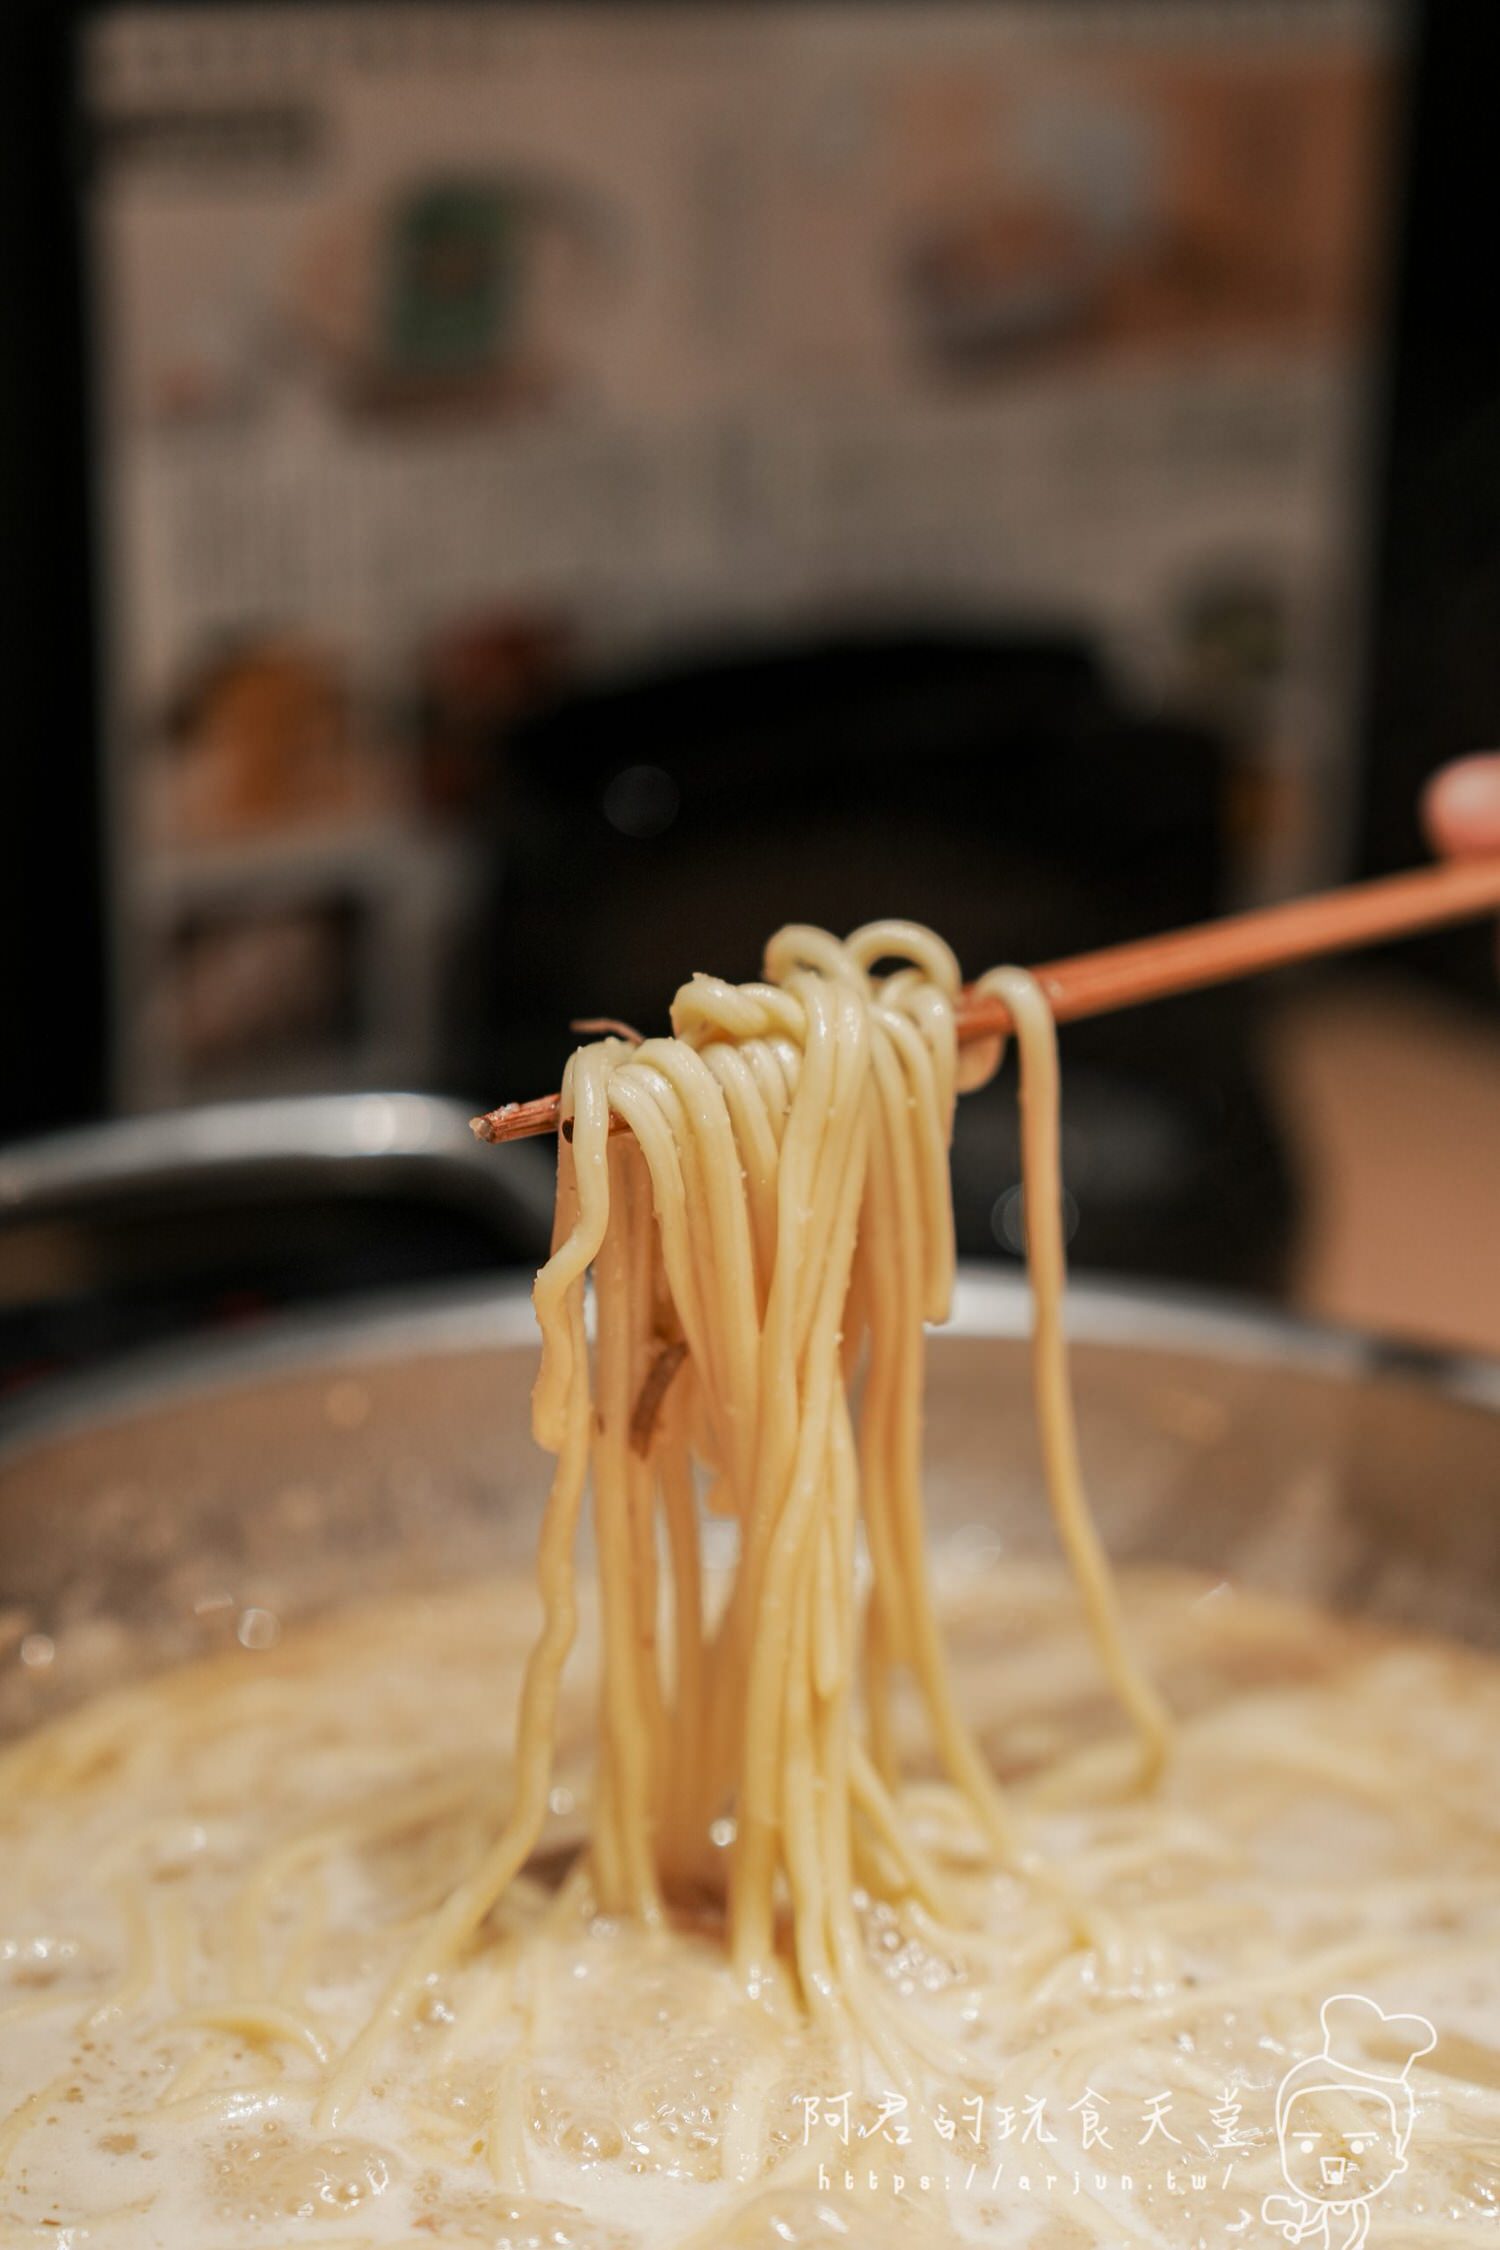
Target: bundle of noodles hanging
768	1236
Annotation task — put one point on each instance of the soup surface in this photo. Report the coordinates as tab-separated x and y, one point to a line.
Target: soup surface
206	1881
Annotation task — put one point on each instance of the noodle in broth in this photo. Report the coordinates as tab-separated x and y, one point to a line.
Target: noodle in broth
802	1882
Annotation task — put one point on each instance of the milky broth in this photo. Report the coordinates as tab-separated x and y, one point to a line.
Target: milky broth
205	1882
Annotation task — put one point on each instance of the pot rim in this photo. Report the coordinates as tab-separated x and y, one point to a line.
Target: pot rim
497	1315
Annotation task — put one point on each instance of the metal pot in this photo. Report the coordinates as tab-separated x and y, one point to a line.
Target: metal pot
218	1492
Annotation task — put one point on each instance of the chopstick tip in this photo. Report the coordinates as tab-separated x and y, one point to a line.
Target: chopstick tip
491	1127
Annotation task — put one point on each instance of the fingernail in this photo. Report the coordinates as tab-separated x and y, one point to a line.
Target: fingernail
1473	787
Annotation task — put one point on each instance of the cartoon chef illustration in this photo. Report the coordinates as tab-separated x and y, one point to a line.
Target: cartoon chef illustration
1343	2119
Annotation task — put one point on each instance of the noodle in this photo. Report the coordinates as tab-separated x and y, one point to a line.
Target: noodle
777	1221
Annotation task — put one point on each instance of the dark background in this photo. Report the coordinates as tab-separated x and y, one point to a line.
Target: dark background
1433	685
1081	860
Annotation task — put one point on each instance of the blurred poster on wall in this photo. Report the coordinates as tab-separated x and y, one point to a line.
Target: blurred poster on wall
453	354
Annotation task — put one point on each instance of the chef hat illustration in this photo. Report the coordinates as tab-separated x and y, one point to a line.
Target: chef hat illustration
1363	2047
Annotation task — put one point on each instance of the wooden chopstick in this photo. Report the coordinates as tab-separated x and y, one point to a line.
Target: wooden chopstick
1239	945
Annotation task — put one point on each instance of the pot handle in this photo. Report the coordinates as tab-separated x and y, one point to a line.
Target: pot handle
415	1145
